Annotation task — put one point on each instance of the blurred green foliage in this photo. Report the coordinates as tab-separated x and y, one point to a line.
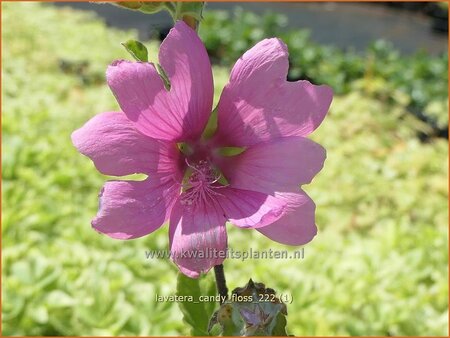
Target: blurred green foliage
382	72
377	267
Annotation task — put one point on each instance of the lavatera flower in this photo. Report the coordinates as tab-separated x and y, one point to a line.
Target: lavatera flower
192	181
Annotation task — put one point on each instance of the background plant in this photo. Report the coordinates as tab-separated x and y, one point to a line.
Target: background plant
415	81
377	267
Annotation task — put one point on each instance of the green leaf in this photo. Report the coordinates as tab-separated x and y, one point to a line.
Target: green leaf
136	49
193	9
195	313
128	4
209	285
148	7
279	325
151	7
59	299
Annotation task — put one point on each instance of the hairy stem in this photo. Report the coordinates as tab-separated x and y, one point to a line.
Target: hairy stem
221	282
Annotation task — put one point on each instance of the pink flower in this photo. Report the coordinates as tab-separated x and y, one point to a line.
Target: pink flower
258	110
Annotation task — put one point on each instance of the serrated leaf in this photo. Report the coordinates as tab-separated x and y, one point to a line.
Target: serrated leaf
136	49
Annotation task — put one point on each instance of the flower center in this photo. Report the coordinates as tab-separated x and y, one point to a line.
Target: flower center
202	178
201	183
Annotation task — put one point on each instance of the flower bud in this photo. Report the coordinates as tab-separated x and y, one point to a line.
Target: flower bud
252	310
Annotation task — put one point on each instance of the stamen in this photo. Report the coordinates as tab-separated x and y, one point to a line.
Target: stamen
201	184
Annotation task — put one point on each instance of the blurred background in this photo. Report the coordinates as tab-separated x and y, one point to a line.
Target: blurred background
379	265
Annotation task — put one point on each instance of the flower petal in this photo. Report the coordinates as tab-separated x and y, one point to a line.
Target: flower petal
198	238
250	209
114	145
131	209
258	104
297	226
279	165
185	60
179	114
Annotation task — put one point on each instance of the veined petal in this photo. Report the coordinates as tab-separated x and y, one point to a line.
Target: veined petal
297	226
259	104
198	238
179	114
279	165
112	142
185	60
250	209
132	209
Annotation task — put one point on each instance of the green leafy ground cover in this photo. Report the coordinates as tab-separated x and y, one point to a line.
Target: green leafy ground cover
377	267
